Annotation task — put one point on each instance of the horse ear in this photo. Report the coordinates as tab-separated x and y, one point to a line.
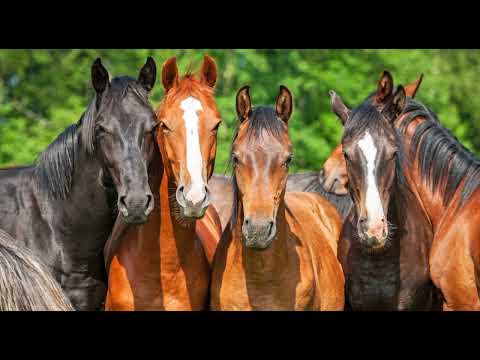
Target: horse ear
208	73
385	87
284	104
100	77
244	103
399	100
338	107
170	73
148	74
411	89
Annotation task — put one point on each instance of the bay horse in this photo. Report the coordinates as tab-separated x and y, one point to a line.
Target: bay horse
279	252
333	176
162	265
386	240
25	282
63	207
330	182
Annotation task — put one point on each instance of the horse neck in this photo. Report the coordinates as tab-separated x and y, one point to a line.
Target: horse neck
431	202
264	264
176	238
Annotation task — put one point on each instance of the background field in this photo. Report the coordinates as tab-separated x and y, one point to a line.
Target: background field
43	91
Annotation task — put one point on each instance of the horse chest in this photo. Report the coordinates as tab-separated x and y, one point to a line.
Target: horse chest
372	285
285	289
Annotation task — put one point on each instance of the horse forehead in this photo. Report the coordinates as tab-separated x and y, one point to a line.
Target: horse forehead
191	105
368	146
265	146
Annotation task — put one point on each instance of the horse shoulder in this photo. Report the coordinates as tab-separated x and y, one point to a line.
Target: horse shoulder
319	231
317	215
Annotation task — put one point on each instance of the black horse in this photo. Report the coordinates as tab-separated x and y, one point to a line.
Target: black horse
63	208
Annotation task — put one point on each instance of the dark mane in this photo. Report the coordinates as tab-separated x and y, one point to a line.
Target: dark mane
56	164
443	161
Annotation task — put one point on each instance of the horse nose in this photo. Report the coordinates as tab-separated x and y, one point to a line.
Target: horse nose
196	197
193	201
135	207
258	233
374	230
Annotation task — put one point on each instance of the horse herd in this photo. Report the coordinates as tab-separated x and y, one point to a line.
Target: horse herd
123	212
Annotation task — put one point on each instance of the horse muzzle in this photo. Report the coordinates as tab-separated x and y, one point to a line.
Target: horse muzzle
193	202
135	207
258	233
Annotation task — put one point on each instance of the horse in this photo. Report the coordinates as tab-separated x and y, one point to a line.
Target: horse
333	176
64	206
330	181
162	265
25	282
386	240
279	252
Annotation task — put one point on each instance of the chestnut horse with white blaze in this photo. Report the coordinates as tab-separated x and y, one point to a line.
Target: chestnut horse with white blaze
279	252
162	265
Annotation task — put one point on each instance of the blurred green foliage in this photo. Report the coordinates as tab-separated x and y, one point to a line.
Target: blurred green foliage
43	91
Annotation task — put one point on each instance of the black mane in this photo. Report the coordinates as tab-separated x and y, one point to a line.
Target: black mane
443	161
56	164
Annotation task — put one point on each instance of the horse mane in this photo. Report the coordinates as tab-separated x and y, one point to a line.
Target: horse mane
56	164
443	161
25	282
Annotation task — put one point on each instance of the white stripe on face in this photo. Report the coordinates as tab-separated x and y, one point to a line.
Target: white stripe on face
372	199
196	192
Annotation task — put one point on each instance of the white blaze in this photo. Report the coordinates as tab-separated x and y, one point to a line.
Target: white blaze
372	199
190	106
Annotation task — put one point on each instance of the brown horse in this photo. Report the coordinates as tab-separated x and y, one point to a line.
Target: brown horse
386	240
279	252
162	265
333	176
330	182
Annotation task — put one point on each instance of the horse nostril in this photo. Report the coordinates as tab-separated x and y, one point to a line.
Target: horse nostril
122	201
149	200
362	220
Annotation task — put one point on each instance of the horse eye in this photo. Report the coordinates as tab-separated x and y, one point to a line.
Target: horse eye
288	160
101	130
215	129
235	159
